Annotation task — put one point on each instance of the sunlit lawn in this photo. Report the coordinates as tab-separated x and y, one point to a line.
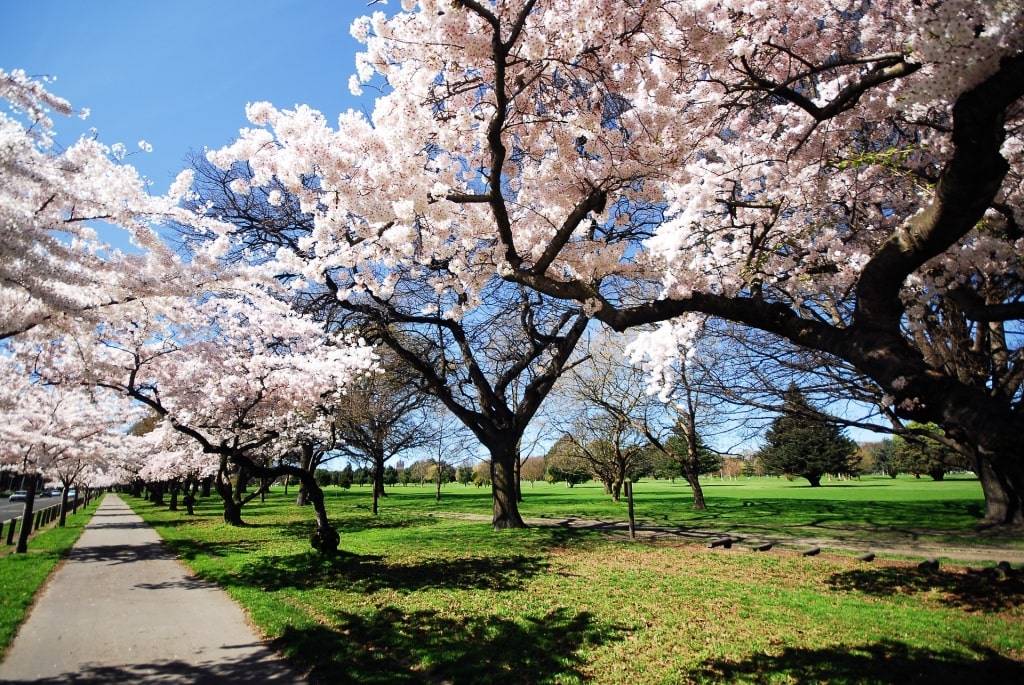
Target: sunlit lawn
871	508
414	597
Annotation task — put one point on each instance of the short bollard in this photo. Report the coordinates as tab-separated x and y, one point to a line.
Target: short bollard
10	531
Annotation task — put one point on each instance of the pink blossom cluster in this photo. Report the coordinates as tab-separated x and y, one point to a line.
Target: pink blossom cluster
736	147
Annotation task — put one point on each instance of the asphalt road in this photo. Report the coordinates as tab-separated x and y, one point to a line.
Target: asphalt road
10	510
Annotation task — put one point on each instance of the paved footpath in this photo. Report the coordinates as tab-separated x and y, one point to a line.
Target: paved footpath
122	609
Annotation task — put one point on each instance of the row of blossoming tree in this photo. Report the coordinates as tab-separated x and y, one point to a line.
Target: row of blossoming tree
96	340
844	177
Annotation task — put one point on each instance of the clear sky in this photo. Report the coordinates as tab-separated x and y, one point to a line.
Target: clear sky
178	73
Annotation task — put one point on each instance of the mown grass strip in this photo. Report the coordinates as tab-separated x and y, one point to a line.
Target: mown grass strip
23	575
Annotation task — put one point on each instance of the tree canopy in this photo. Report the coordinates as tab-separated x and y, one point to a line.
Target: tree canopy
846	179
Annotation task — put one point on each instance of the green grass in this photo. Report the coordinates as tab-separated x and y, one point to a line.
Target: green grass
22	575
870	509
415	597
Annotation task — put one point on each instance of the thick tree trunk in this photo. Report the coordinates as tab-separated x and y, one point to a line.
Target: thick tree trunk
63	504
223	485
503	488
325	538
1004	497
616	489
518	477
233	512
189	499
814	479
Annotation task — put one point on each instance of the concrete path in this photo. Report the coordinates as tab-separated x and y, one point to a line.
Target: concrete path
123	610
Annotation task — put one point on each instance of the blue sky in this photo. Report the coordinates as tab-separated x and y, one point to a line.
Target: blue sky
179	73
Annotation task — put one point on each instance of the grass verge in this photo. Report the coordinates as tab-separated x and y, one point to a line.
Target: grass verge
22	575
414	598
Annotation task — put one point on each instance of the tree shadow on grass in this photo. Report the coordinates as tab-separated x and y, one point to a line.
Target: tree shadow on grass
393	647
370	573
887	661
190	549
909	520
984	592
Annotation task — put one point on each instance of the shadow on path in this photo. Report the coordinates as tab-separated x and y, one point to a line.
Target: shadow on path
252	669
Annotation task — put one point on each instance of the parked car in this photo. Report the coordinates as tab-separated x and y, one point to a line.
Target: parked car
18	496
71	493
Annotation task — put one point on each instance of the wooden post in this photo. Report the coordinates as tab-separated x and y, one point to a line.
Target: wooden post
10	531
629	500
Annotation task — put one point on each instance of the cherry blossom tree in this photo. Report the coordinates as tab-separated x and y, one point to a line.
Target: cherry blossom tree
235	372
55	431
54	203
167	456
507	344
826	173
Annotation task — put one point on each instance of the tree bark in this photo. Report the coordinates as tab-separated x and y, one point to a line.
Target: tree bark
616	489
325	538
175	489
1004	501
26	518
378	480
690	469
518	477
503	487
305	462
232	506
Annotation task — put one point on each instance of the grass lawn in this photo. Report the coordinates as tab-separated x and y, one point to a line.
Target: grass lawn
418	597
871	509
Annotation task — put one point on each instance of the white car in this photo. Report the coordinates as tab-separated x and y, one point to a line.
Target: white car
18	496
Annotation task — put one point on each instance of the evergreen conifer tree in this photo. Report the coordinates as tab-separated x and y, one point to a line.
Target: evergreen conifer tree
803	442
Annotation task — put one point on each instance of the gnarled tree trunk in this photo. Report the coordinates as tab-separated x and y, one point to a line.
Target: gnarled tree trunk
505	493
